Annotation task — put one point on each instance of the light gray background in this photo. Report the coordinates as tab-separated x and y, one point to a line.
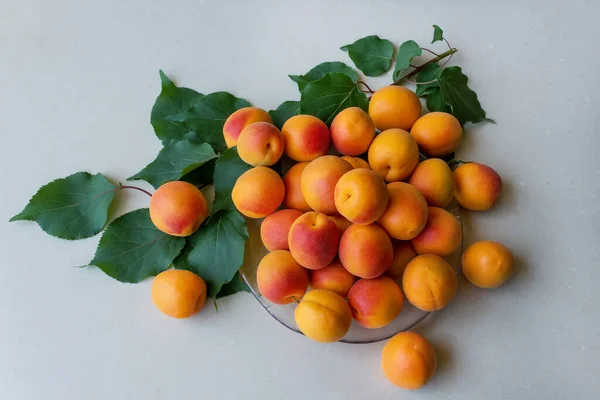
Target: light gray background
78	79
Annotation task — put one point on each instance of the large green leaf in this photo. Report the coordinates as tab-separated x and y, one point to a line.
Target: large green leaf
74	207
208	116
406	52
203	175
285	111
371	54
172	100
435	101
326	97
132	249
320	70
174	161
429	73
236	285
457	94
228	169
438	34
218	249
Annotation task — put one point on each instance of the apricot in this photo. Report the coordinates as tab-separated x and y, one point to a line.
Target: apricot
258	192
366	250
293	188
437	133
241	118
280	278
178	293
275	228
429	282
433	178
403	254
487	264
305	138
408	360
341	222
356	162
394	107
393	155
375	302
260	144
178	208
361	196
352	131
318	182
314	240
323	316
333	277
442	234
406	213
476	186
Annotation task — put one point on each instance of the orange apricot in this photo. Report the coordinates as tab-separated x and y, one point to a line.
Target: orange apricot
314	240
403	254
356	162
323	316
408	360
393	155
406	213
394	107
333	277
178	208
437	133
487	264
361	196
293	188
341	222
318	182
476	186
352	131
275	228
375	302
258	192
442	234
178	293
366	250
305	138
259	144
280	278
241	118
429	282
433	178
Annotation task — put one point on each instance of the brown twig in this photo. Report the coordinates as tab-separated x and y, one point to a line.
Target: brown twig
367	86
135	188
420	67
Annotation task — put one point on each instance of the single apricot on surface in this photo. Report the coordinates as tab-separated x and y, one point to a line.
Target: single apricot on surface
314	240
476	186
275	228
280	278
437	133
333	277
442	234
487	264
341	222
318	182
293	188
258	192
361	196
433	178
305	138
429	282
406	213
178	293
403	254
178	208
393	155
375	302
366	251
260	144
352	131
394	107
323	316
239	120
356	162
408	360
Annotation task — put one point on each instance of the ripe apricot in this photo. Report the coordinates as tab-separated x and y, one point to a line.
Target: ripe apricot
487	264
341	222
280	278
394	107
293	188
323	316
442	234
275	228
361	196
314	240
437	133
305	137
318	182
352	131
406	213
333	277
258	192
433	178
356	162
178	208
476	186
429	282
375	302
403	254
366	250
408	360
259	144
239	120
393	155
178	293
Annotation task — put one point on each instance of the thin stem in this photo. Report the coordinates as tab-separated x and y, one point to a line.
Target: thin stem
447	61
429	51
135	188
420	67
447	42
367	86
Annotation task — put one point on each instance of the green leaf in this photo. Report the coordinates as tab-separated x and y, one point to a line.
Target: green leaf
75	207
201	176
175	161
430	72
406	52
208	116
326	97
435	102
438	34
285	111
172	100
320	70
132	249
218	249
371	54
236	285
457	94
228	169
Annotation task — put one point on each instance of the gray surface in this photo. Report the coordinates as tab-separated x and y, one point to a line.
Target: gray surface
78	81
